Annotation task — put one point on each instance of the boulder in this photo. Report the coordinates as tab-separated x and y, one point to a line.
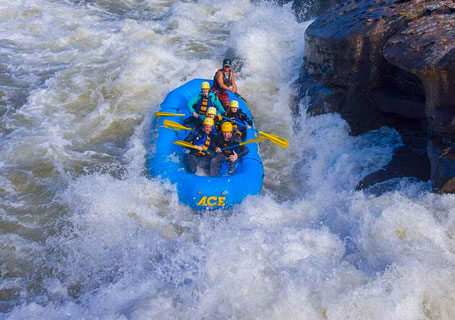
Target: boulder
389	62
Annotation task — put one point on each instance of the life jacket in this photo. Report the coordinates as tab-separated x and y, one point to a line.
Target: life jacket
233	117
205	144
235	127
203	104
217	124
226	80
226	144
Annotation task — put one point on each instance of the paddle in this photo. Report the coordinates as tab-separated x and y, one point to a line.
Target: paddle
245	142
168	124
238	95
229	119
169	114
188	145
283	143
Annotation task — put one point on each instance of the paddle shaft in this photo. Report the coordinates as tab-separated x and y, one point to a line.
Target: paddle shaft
186	144
169	114
238	95
246	142
229	119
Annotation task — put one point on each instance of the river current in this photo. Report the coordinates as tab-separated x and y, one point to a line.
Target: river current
85	234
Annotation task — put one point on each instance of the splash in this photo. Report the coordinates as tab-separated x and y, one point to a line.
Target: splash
85	234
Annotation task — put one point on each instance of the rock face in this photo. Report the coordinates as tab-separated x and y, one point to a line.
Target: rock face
390	62
307	9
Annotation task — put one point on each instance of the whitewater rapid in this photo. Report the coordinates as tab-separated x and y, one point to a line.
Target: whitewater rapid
84	234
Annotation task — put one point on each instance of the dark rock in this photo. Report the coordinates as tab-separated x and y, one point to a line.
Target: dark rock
395	102
307	9
405	163
442	161
343	51
320	96
389	62
427	48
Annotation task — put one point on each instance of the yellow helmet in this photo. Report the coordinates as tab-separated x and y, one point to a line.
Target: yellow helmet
234	104
226	126
205	85
211	110
208	121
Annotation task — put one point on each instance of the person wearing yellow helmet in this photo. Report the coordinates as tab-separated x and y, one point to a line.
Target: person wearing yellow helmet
203	138
211	113
199	104
224	80
228	149
237	117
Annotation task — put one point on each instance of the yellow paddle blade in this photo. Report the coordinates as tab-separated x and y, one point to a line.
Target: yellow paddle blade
253	140
174	125
185	144
283	143
168	114
188	145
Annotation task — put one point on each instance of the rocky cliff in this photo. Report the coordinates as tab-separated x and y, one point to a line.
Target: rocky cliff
390	62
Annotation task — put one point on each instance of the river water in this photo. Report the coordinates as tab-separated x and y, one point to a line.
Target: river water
84	234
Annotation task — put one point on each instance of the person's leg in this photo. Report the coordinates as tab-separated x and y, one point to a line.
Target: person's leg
204	163
224	99
215	164
190	162
231	167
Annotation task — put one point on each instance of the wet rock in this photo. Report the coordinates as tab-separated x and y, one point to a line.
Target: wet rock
418	167
320	95
427	49
390	62
343	51
307	9
442	159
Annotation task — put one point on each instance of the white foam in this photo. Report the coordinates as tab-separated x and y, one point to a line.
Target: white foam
120	246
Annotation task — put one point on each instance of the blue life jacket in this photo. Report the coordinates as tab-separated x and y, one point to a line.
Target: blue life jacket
203	104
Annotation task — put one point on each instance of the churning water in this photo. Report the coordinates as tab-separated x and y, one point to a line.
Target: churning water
84	234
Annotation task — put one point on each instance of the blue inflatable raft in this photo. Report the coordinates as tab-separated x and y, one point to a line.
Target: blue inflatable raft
165	159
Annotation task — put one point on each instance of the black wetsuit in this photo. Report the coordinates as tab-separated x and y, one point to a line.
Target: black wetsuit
239	117
194	158
216	161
